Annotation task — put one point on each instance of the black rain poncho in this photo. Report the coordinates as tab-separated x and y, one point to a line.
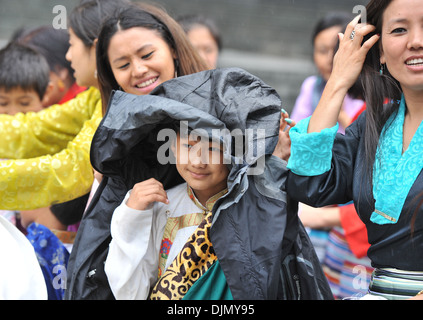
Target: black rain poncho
261	245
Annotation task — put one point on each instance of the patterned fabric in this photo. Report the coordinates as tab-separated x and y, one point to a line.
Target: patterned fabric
195	258
193	261
311	153
64	236
172	226
394	284
395	172
346	274
52	257
53	151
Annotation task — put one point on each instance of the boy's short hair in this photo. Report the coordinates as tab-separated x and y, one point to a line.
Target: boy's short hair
70	212
23	67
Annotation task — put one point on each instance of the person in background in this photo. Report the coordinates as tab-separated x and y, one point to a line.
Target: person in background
324	42
20	273
47	231
53	44
48	151
204	36
337	233
24	79
24	82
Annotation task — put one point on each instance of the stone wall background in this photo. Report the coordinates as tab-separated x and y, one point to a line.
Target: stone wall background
269	38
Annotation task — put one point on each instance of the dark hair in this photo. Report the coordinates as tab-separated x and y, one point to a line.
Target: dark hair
23	67
51	43
191	21
153	18
377	88
70	212
330	20
87	18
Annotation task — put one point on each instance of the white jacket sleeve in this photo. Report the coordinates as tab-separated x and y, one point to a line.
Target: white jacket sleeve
132	262
21	277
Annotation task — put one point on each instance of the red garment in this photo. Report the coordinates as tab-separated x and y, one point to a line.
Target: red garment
355	231
359	112
72	92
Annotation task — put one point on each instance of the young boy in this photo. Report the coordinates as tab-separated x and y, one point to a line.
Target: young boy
24	82
245	243
152	225
24	79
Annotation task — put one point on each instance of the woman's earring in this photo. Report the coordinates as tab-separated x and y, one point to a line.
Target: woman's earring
61	85
382	68
176	63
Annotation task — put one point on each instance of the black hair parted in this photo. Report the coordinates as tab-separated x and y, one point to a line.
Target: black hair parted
87	18
23	67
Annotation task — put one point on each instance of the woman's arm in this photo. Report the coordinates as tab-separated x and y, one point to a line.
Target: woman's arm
39	182
322	164
48	131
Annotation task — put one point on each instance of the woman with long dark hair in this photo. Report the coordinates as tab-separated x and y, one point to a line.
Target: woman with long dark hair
138	48
378	162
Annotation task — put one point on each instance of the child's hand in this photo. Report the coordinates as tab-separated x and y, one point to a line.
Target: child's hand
145	193
283	148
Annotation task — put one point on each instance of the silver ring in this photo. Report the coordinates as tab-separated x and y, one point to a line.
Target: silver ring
352	35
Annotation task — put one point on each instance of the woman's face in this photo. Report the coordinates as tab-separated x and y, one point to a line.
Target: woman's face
140	60
201	38
402	42
324	46
83	61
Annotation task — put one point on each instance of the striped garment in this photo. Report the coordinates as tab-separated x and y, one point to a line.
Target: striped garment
347	275
394	284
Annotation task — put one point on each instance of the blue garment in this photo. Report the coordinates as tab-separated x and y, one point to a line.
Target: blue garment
53	258
311	153
394	245
394	172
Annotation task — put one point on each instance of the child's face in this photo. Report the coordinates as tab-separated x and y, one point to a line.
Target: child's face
200	164
324	46
18	100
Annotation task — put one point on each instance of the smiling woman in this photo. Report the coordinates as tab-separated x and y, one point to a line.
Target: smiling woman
140	60
140	48
378	163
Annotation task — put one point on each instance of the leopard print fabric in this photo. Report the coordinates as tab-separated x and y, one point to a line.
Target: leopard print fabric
195	258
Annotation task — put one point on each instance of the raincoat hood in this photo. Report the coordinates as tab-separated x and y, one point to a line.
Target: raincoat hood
261	245
226	103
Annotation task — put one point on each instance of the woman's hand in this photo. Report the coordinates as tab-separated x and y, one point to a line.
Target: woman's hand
347	65
283	148
350	57
145	193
